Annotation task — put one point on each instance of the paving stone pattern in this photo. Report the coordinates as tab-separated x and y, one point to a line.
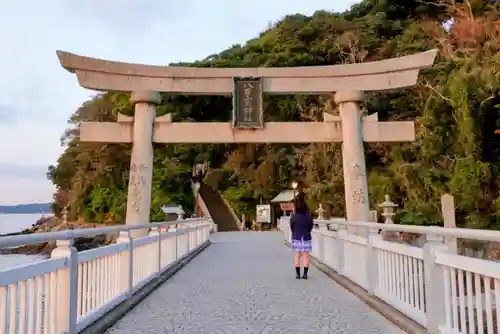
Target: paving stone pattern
245	283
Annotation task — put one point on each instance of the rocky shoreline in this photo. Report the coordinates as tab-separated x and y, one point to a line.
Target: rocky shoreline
54	224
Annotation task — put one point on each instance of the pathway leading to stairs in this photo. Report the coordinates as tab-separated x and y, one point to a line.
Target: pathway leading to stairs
245	283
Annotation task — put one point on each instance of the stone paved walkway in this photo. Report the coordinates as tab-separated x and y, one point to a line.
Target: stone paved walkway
245	283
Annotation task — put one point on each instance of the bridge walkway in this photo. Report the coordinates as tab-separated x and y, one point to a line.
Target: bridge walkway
245	283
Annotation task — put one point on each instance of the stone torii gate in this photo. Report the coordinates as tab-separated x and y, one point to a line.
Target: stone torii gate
247	85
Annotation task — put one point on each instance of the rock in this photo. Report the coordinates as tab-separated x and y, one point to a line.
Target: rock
493	251
54	224
111	238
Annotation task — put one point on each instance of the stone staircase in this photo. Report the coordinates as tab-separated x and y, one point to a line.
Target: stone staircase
218	209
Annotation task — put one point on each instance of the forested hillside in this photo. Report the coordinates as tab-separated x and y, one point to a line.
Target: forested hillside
455	106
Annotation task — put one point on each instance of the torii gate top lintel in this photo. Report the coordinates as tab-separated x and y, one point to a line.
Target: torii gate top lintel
104	75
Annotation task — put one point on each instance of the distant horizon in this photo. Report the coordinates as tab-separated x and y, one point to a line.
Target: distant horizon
28	208
31	203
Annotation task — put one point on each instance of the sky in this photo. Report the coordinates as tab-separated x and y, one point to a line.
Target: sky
37	96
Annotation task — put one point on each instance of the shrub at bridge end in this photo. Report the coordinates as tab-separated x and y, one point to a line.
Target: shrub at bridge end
455	107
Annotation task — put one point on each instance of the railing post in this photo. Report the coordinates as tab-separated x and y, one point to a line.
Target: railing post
288	230
448	211
67	288
201	233
434	283
176	244
127	262
285	226
198	235
195	239
321	247
156	231
341	231
181	242
372	261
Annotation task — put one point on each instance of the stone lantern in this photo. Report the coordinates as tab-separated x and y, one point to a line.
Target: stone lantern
388	210
321	212
388	213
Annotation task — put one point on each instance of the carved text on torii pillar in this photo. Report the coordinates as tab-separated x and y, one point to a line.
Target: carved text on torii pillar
357	171
358	195
137	184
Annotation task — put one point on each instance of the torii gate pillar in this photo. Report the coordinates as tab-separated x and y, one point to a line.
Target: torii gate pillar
141	162
353	156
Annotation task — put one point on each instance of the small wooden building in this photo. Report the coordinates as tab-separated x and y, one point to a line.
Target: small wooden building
285	201
173	212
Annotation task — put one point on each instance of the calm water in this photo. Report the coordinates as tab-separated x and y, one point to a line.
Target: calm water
12	224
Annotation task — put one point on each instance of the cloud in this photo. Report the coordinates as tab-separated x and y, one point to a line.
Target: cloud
126	17
10	170
21	190
7	114
37	96
24	184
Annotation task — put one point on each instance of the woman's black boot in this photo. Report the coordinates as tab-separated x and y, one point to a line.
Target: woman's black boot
297	271
306	269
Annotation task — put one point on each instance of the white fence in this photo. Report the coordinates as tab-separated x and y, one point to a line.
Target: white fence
442	291
71	290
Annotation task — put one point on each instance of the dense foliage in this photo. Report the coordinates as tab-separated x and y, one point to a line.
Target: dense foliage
455	106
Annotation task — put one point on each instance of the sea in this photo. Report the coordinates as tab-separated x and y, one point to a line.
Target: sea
11	223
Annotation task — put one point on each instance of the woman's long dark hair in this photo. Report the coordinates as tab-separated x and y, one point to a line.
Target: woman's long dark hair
300	203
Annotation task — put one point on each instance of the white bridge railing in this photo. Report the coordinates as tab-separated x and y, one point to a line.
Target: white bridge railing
71	290
442	291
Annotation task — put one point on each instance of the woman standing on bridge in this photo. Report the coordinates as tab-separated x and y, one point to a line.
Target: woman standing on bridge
301	225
